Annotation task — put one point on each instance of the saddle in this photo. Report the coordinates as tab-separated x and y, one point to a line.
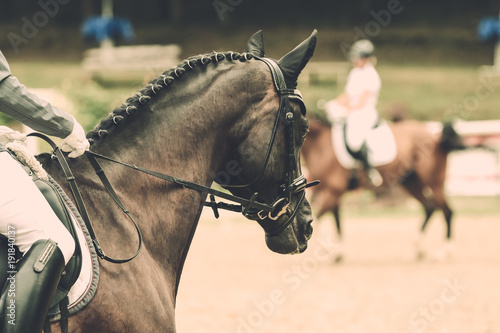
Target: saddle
67	213
56	202
74	265
362	153
380	146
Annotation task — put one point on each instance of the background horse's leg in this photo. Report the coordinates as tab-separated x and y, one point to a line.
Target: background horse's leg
336	215
412	183
438	190
326	201
442	203
436	183
339	255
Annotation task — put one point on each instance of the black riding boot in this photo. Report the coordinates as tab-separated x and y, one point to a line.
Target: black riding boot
373	175
26	296
362	155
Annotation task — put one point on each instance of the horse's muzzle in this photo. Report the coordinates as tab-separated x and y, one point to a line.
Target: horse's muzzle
293	239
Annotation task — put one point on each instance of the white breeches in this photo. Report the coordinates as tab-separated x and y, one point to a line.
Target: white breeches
25	212
359	123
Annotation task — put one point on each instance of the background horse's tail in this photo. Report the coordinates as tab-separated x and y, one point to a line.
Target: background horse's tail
450	139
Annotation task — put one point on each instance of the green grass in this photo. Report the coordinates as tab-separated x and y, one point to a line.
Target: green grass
38	74
92	100
363	204
423	92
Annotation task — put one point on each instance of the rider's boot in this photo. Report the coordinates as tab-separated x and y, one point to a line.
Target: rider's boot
26	296
373	175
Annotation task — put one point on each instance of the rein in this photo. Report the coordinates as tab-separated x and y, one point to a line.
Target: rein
248	207
81	206
244	206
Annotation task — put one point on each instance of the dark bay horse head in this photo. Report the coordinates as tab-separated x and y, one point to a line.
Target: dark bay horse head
267	162
234	118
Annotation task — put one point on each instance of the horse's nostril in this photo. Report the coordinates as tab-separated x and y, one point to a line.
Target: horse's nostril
308	230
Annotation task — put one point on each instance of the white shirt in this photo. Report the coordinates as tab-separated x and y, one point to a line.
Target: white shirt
363	79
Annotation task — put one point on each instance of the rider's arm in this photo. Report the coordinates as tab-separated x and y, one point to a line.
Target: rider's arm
21	104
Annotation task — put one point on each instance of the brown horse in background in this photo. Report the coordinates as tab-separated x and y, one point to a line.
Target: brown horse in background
420	167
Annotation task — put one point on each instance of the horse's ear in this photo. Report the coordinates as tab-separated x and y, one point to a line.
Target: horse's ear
255	44
294	62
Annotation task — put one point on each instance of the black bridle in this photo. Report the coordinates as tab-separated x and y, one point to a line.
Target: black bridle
292	184
251	208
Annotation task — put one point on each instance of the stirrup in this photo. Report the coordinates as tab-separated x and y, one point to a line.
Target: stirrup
375	177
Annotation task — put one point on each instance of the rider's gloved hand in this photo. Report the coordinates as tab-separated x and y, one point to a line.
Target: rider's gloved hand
7	135
76	143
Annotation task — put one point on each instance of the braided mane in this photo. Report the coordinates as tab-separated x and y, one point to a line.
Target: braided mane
141	98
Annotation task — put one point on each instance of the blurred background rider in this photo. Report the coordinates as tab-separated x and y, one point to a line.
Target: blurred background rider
359	101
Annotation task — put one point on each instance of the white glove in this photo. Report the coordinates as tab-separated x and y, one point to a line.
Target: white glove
7	135
76	143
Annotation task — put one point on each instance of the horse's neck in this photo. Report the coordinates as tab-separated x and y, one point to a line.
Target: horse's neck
181	133
185	140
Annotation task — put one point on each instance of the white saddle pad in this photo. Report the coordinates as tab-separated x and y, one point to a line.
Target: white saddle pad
84	281
380	142
82	292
